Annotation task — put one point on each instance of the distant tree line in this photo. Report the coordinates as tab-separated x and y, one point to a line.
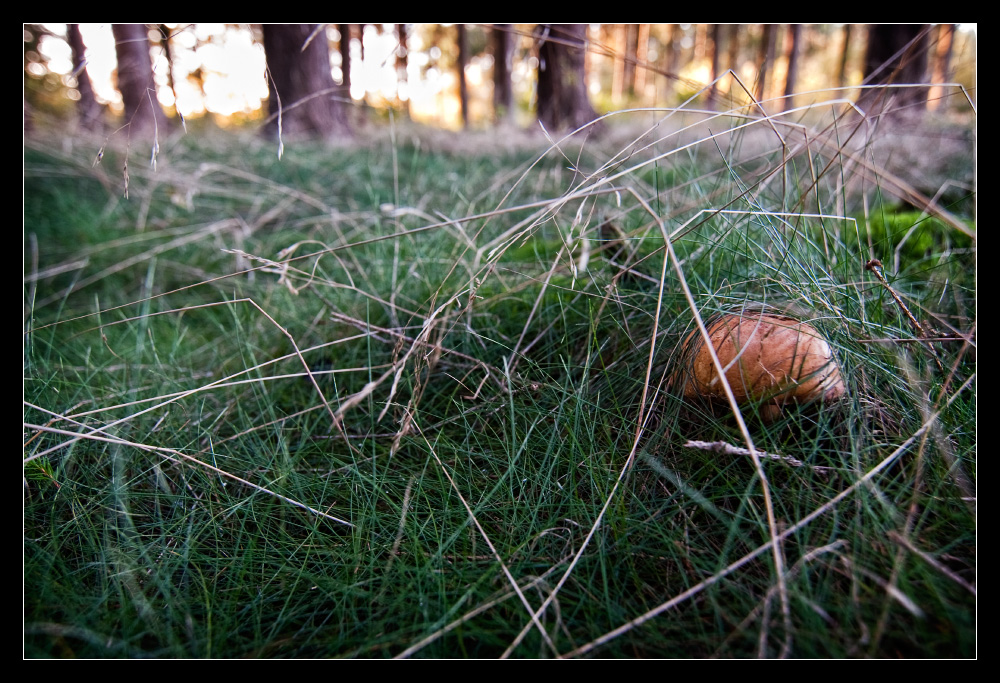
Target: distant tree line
304	99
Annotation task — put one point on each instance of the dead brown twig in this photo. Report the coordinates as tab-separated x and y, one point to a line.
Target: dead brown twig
925	335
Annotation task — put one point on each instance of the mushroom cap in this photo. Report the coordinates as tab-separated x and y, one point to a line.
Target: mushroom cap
765	357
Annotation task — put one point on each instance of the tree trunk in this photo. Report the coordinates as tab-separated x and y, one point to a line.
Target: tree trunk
792	59
301	89
463	60
715	32
942	65
701	40
631	54
619	32
896	54
765	62
345	58
503	92
88	109
669	42
844	52
143	113
732	57
562	87
641	67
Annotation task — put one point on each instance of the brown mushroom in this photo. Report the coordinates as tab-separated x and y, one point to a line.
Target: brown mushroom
767	358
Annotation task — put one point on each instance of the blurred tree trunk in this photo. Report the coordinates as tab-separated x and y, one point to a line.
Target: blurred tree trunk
841	77
942	65
896	54
563	102
715	35
301	88
345	58
765	60
143	112
463	61
631	55
700	47
503	92
88	109
620	44
792	60
732	56
641	57
671	42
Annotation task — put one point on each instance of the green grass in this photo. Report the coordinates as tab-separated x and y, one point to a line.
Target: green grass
470	438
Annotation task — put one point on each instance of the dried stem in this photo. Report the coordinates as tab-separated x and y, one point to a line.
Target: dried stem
875	266
729	449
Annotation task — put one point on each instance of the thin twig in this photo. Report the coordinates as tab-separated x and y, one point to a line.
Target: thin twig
875	266
729	449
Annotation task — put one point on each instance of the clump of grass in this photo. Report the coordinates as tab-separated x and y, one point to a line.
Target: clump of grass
389	400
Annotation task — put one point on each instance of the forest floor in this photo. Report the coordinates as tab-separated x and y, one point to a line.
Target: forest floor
420	394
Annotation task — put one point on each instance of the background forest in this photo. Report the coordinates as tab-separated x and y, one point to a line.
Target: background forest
382	340
461	75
